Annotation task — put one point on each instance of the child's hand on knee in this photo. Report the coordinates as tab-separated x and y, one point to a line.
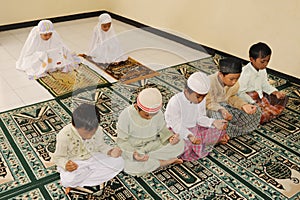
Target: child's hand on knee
194	140
139	157
226	115
71	166
115	152
174	139
249	108
220	124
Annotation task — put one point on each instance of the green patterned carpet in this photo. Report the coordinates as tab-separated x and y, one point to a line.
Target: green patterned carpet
262	165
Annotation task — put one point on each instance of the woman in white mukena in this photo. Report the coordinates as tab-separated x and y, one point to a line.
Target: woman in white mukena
44	51
105	47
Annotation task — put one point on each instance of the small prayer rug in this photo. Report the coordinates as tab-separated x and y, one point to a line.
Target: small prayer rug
127	72
61	84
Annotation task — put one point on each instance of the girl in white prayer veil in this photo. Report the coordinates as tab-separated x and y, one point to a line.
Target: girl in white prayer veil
44	51
105	47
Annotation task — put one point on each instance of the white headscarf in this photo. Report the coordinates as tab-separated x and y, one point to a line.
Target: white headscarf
105	47
34	43
45	26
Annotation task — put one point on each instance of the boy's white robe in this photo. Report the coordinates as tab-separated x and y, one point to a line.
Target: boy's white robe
95	166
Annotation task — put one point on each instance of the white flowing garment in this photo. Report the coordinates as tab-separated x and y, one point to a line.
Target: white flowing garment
39	56
105	46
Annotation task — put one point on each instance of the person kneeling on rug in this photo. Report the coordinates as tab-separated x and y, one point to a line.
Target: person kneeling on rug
186	114
146	142
81	155
44	51
105	47
222	101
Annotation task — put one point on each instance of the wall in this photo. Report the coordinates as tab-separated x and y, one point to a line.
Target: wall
15	11
230	26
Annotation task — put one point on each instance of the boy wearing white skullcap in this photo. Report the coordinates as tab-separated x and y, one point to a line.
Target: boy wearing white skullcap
186	115
146	142
105	47
223	102
44	51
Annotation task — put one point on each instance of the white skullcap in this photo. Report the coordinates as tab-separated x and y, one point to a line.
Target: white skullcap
104	18
199	83
45	26
150	100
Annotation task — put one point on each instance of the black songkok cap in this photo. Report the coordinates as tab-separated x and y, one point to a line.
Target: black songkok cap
230	66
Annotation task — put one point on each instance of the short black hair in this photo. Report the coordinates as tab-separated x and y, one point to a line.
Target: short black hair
259	50
86	116
230	65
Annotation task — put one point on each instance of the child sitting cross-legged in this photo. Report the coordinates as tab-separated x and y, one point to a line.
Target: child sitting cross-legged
223	102
81	155
186	115
146	142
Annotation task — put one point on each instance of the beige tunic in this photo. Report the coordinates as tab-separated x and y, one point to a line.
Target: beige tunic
219	93
146	137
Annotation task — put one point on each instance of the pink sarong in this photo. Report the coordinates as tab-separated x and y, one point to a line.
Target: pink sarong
209	138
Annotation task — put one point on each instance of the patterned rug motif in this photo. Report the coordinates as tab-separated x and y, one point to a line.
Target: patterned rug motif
61	84
34	128
131	91
12	173
207	65
128	71
109	103
261	165
268	167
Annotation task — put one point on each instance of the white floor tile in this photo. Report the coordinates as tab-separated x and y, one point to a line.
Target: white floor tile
16	79
10	101
149	49
33	94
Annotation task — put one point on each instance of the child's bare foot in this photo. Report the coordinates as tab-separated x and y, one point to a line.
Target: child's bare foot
164	163
178	161
68	189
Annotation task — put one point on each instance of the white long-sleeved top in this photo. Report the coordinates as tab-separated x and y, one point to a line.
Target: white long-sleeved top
181	115
254	80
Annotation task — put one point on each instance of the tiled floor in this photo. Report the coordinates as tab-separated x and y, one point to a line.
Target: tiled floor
153	51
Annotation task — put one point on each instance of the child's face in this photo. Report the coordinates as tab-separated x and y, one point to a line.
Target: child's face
85	134
144	114
46	36
195	97
229	79
105	27
260	63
